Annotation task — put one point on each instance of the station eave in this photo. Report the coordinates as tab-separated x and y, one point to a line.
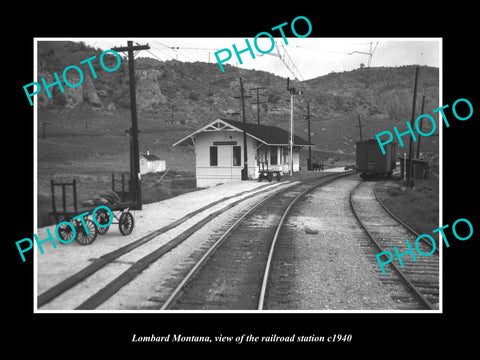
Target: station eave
268	135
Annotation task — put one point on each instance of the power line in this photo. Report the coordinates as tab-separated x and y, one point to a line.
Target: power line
321	50
193	48
291	61
287	61
173	48
161	51
154	55
370	53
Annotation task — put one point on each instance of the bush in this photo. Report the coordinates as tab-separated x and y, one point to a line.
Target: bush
417	207
273	98
193	96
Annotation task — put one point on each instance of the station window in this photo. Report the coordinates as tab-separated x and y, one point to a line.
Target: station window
213	155
273	156
237	156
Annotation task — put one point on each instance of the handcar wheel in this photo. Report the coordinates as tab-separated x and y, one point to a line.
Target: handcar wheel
65	232
126	223
82	237
279	177
102	217
269	177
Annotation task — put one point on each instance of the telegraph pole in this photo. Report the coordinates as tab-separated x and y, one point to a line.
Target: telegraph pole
309	162
134	155
410	155
421	123
293	92
245	159
258	103
360	127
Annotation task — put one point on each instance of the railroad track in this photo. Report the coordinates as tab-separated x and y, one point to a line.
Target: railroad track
116	255
138	265
234	273
421	277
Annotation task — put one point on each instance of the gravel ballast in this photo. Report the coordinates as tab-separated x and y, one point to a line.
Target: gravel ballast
151	287
320	262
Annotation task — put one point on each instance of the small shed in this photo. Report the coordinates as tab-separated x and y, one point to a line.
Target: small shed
219	150
150	163
419	168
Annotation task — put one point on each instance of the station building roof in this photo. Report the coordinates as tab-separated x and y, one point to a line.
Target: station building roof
269	135
151	157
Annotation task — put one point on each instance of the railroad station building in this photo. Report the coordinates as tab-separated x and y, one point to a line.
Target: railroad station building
219	150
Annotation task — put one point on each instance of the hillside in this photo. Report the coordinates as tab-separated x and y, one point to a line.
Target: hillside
85	126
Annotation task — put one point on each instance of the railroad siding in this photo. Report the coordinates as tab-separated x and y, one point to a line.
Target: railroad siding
66	259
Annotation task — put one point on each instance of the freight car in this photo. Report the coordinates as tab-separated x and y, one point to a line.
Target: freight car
371	163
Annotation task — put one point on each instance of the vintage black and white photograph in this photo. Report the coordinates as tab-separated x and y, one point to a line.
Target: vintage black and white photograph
268	174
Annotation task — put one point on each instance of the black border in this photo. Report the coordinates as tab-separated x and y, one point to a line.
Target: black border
87	333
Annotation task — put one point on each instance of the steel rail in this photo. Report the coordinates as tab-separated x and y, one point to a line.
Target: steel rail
140	265
76	278
203	259
420	297
397	218
326	179
277	233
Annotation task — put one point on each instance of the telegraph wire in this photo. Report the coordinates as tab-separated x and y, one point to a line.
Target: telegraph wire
321	50
155	56
172	48
161	51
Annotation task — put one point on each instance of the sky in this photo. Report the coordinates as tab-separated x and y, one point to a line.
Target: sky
307	57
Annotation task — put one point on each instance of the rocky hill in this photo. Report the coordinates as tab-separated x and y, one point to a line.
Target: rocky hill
186	95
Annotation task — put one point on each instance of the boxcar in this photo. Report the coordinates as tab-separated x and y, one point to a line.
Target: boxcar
372	163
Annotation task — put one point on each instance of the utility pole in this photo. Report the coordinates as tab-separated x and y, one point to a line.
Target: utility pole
360	127
245	159
135	156
421	123
309	161
258	103
293	92
410	155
